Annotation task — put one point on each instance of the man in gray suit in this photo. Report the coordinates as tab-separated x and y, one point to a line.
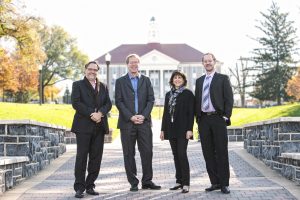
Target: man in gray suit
134	98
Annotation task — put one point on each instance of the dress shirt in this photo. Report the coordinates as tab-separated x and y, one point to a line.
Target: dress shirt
211	107
134	82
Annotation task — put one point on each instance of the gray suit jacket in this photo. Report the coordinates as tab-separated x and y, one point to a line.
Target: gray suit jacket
124	97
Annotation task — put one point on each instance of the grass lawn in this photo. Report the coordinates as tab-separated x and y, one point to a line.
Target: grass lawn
242	116
62	114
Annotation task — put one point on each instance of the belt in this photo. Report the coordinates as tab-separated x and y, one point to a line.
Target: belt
209	113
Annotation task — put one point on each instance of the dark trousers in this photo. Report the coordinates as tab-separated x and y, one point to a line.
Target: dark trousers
142	134
214	142
179	148
88	144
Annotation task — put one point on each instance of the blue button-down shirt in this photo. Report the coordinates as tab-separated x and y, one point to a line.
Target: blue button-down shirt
134	82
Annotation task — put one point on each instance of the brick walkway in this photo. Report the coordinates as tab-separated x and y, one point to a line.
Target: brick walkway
247	182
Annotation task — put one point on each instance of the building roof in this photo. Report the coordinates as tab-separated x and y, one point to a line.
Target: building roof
181	52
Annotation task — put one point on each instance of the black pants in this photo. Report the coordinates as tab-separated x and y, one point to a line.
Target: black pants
214	142
179	148
142	134
88	144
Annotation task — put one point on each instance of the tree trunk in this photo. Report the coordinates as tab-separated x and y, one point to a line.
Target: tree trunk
243	100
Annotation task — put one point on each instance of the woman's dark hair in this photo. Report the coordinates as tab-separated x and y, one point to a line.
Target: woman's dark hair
91	62
177	73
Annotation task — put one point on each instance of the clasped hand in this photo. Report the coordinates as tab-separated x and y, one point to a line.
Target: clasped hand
96	117
137	119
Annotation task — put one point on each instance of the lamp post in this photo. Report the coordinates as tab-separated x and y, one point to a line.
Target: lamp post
107	61
41	84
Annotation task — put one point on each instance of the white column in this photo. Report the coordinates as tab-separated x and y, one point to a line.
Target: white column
161	84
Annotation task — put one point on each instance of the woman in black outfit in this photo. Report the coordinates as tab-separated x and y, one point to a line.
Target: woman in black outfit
177	126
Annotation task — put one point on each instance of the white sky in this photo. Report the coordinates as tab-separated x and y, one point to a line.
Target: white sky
220	27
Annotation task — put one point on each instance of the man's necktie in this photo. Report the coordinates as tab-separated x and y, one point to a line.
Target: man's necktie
206	94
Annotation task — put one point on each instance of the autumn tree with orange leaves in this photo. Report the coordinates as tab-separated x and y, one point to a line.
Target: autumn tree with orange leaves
19	64
35	44
293	86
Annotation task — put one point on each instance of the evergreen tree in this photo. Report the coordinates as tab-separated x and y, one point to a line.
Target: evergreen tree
273	60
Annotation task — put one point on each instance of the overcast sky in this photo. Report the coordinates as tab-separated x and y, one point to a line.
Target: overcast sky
220	27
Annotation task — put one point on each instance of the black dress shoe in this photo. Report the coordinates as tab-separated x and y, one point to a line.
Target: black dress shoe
151	186
134	188
91	191
176	187
185	189
225	189
213	187
79	194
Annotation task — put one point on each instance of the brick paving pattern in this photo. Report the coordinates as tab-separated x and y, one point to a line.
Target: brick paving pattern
246	182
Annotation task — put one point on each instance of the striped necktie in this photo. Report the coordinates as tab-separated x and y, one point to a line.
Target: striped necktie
206	94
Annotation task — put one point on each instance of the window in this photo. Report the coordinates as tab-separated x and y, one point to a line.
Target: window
154	76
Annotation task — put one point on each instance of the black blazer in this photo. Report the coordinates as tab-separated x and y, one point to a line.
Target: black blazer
124	97
183	116
220	94
86	100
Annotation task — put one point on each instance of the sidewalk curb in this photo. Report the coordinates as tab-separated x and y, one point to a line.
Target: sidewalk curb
270	174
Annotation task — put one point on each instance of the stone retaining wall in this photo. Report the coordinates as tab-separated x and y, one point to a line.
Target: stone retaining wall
27	147
270	140
235	134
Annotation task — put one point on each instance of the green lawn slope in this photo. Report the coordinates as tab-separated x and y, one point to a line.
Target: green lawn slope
63	114
242	116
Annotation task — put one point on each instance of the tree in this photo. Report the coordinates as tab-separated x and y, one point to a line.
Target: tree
7	82
64	59
14	26
51	93
293	86
26	54
273	59
241	76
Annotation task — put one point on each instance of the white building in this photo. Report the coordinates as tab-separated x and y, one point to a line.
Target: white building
158	61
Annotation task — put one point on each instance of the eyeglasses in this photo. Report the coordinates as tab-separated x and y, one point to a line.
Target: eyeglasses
91	69
133	62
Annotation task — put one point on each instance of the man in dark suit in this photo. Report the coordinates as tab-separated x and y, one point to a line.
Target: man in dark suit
134	99
91	102
214	102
